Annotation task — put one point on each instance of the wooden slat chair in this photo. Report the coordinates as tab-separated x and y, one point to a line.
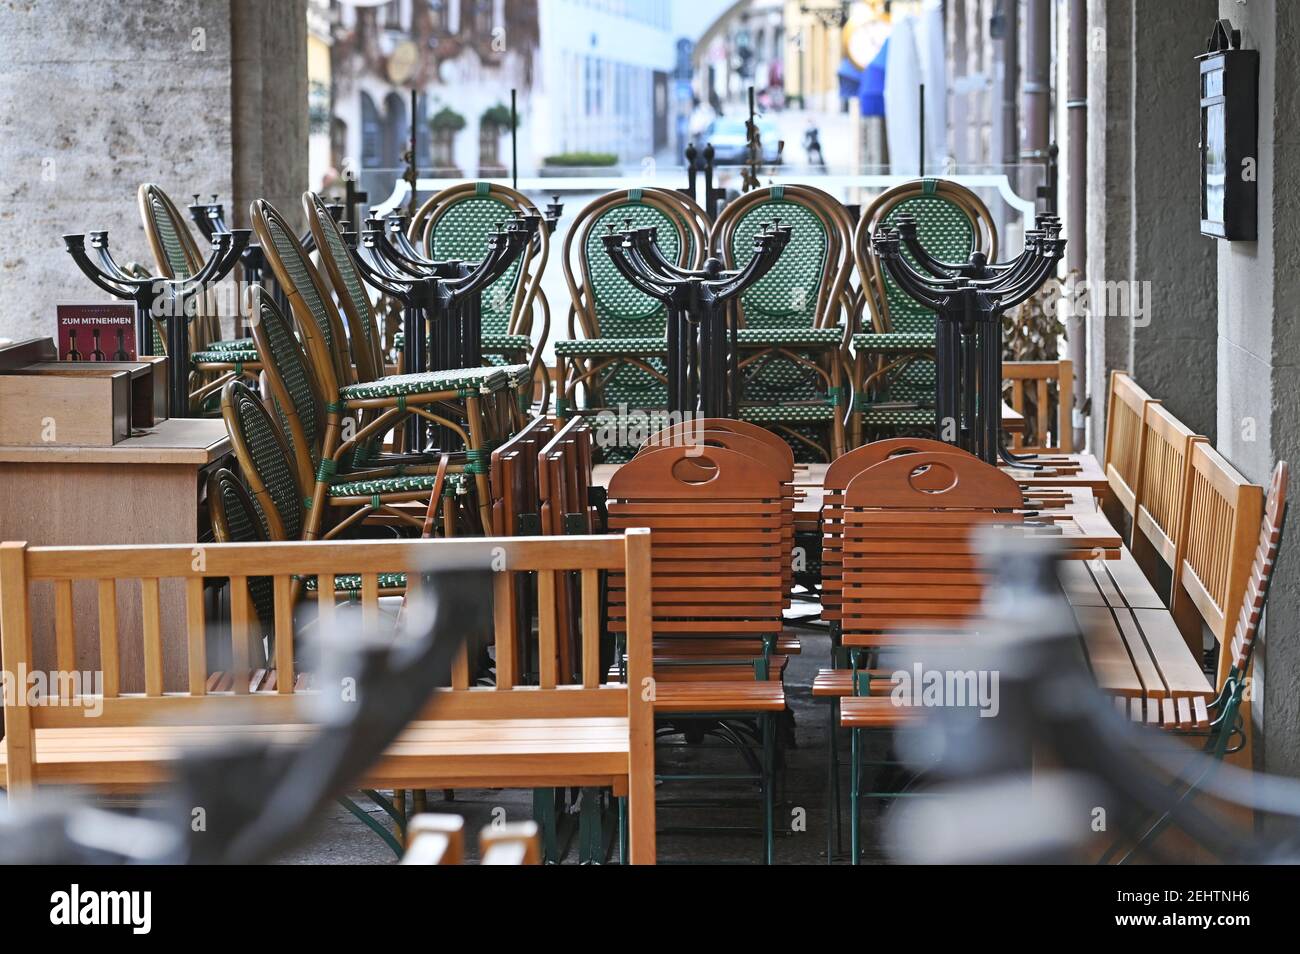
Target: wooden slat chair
1229	728
911	564
617	342
776	459
894	376
716	519
1033	395
454	224
565	506
213	360
835	483
473	404
792	342
590	733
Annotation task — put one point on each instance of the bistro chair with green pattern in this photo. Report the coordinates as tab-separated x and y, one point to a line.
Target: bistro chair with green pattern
471	404
295	398
338	265
790	331
454	225
894	374
617	334
212	360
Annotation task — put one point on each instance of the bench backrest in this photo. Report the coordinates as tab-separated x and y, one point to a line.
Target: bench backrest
108	572
1212	569
1261	570
1161	491
1123	456
909	539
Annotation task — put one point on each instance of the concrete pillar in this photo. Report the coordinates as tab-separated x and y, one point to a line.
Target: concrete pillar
194	95
1110	185
1143	215
1259	353
1173	343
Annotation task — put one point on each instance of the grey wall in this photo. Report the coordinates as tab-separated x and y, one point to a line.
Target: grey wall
1259	352
96	98
1143	217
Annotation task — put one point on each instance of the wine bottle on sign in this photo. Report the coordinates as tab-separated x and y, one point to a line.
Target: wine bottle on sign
96	354
120	354
73	353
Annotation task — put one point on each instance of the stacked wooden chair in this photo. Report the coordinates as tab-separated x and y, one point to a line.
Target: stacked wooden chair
454	225
894	374
717	518
793	344
910	565
617	335
213	361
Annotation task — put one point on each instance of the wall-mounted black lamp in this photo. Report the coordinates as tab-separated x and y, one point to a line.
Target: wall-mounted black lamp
1229	136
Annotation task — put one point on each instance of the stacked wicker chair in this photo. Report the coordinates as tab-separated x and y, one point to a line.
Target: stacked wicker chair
790	333
617	341
454	224
473	404
212	360
894	372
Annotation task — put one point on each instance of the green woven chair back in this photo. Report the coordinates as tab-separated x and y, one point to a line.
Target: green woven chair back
300	271
266	453
283	357
621	310
788	296
947	232
236	518
461	232
364	325
163	221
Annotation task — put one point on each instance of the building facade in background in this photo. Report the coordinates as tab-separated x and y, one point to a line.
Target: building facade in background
591	77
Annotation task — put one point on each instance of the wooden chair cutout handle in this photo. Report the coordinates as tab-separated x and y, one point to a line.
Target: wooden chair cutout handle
934	481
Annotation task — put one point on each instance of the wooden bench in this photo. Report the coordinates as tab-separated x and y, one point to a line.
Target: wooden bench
1151	656
590	733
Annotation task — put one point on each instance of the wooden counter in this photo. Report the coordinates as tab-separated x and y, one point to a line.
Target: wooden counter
146	489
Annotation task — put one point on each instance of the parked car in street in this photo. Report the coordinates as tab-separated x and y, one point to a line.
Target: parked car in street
730	146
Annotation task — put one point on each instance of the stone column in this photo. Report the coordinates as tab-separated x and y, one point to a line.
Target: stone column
96	98
1110	186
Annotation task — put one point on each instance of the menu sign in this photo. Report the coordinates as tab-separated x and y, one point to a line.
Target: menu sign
96	332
